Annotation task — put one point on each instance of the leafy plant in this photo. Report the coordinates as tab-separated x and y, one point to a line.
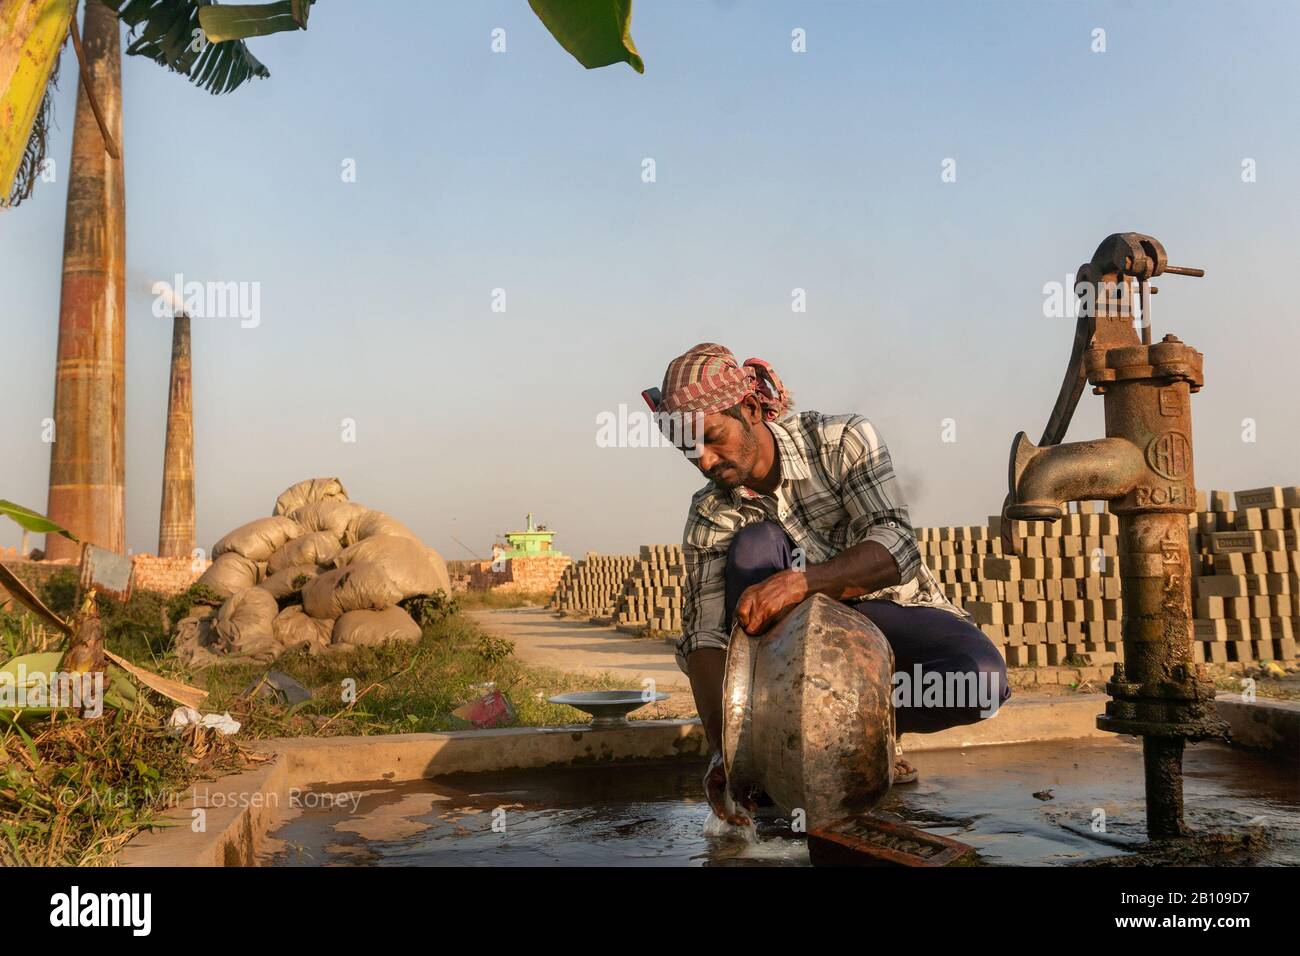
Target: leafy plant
428	610
140	622
59	591
29	520
494	650
180	605
204	41
73	792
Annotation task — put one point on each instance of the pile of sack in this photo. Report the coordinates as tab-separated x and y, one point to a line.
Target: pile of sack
322	573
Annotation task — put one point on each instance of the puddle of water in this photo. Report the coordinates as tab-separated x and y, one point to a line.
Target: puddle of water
643	815
654	814
984	796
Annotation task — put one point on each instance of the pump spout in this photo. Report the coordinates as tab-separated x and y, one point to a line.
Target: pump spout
1044	479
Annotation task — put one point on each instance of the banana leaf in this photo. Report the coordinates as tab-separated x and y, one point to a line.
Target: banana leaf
241	21
31	34
120	693
124	690
35	680
596	32
29	520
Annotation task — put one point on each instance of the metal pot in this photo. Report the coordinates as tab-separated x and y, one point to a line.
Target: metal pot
807	716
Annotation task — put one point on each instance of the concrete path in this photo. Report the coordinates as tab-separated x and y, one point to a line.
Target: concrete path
543	639
567	645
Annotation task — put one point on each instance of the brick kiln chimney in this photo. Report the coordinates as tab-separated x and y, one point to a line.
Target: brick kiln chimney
88	457
176	523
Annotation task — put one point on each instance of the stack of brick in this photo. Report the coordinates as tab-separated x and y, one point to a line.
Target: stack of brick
534	573
652	593
955	556
1247	584
592	586
1057	602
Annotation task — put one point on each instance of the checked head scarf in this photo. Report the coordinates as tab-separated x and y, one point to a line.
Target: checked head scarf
708	379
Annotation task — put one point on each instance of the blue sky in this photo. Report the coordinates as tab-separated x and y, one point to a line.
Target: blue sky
774	171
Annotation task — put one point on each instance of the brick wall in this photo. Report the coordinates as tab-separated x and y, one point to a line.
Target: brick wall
459	572
32	573
148	573
534	573
165	575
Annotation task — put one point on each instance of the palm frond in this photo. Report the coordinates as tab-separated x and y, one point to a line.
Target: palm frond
170	33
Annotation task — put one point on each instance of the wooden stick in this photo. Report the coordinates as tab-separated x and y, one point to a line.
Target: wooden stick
109	145
24	596
181	693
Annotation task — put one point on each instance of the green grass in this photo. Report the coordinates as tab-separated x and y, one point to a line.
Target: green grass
495	600
73	791
399	688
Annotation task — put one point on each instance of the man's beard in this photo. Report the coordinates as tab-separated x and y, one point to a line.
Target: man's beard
729	474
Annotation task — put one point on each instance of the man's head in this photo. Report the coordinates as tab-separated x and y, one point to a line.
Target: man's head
711	404
726	447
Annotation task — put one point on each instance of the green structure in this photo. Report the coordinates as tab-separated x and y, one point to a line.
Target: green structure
534	540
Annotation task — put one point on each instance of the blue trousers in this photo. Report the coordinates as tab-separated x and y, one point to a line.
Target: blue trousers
926	640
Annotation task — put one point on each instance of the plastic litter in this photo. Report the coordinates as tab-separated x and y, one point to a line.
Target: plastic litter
279	687
491	709
184	716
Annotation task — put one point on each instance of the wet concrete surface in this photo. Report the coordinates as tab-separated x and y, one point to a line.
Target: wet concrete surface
654	814
1094	804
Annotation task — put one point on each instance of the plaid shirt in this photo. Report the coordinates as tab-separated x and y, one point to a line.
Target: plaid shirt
837	490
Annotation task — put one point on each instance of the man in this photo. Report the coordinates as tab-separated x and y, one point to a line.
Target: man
797	506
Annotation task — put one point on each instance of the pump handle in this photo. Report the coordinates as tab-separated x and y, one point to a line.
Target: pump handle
1129	254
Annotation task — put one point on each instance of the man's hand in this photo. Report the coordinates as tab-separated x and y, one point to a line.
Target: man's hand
763	603
715	789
